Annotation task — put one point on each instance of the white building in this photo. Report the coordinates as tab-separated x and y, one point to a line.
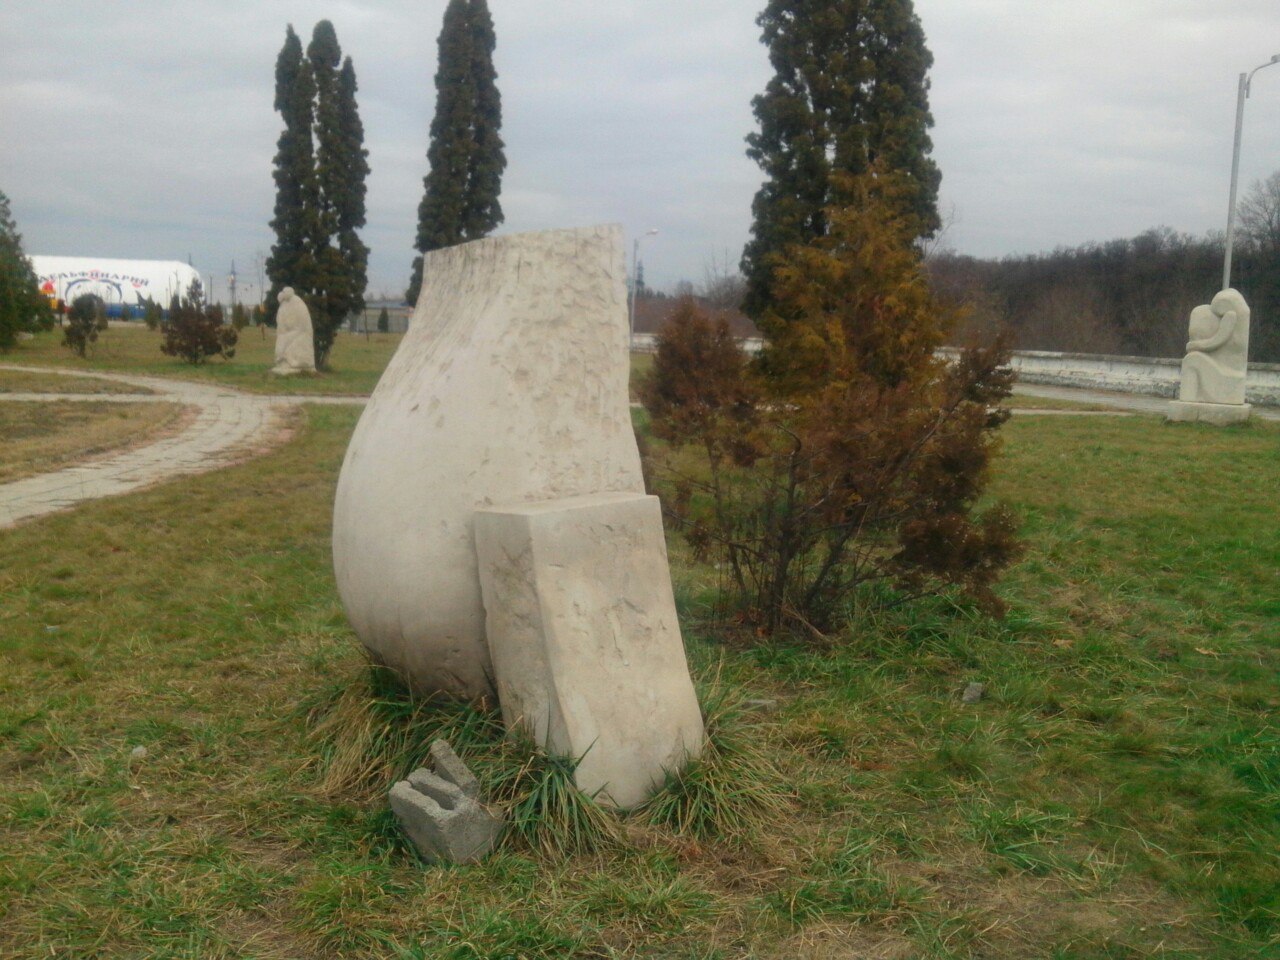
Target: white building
126	284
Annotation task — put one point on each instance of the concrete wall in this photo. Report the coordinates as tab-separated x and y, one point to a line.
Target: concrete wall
1150	375
648	343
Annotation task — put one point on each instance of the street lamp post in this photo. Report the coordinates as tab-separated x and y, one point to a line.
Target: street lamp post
631	307
1246	80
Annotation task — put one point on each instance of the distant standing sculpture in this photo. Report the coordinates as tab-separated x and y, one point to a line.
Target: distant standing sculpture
295	344
1217	363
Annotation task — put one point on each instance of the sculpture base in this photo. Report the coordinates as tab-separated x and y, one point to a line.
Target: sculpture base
289	372
586	645
1218	414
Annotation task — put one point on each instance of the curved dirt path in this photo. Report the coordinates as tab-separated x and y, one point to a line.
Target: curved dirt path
229	426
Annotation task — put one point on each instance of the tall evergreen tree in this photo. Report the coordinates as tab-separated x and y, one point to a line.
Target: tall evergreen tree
22	308
465	155
333	297
349	203
292	263
850	93
321	167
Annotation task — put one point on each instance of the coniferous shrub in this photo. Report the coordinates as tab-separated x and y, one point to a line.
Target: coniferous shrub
23	309
849	453
152	315
195	332
85	318
384	320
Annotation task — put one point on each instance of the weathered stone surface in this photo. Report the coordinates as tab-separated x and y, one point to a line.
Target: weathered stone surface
585	642
1217	361
973	693
510	386
1218	414
441	812
295	343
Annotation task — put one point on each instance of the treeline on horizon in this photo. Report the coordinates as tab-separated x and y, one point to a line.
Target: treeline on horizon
1129	296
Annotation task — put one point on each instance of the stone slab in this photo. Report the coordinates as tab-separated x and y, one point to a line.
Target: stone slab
586	647
1218	414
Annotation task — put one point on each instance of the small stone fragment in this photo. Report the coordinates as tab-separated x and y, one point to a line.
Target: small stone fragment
441	812
973	693
449	766
138	752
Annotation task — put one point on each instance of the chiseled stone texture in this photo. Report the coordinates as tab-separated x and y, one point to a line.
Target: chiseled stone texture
584	637
1217	361
295	341
510	386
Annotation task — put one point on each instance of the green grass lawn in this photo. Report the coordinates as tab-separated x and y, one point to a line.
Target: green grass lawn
356	361
1115	795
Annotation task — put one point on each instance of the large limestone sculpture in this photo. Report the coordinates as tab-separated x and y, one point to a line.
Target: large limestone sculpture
295	341
1217	363
510	386
585	641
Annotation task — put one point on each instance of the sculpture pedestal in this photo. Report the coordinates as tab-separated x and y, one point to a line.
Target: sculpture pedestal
586	648
1218	414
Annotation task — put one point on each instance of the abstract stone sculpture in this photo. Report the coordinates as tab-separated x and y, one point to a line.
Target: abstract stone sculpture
1217	363
509	386
441	812
585	641
295	343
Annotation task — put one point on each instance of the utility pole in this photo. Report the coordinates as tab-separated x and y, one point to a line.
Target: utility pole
1242	94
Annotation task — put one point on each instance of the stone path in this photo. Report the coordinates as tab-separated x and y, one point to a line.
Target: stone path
228	426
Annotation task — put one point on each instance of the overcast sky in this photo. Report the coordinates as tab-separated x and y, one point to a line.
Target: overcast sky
144	128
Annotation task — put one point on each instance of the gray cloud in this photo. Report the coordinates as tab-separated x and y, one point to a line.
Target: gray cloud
145	129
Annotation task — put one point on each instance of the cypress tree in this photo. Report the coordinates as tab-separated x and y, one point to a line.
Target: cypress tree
849	93
331	297
291	263
321	167
465	155
349	204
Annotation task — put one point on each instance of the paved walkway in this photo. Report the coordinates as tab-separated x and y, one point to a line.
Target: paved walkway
229	426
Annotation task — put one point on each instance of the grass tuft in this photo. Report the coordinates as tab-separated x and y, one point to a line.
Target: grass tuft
733	789
371	732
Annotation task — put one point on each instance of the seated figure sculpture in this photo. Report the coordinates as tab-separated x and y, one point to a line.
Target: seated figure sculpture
1218	353
1217	363
295	345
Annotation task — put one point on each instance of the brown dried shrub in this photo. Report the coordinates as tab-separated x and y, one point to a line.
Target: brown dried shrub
849	452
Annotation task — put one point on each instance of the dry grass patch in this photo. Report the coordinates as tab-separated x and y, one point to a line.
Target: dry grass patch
29	381
40	437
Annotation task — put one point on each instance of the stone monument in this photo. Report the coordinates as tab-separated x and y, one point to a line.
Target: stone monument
510	385
491	534
295	343
1217	363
